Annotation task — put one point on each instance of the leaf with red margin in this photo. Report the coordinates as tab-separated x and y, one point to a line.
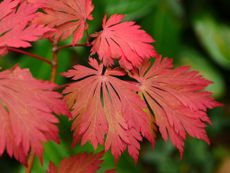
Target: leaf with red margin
26	107
67	17
15	28
102	104
177	100
81	163
124	41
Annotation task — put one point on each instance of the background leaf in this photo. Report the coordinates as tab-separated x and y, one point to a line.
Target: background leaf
215	38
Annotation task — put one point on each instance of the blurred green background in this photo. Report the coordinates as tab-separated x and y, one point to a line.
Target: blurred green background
192	32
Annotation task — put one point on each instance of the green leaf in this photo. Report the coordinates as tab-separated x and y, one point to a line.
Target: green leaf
38	68
165	27
162	158
64	63
134	9
215	38
108	163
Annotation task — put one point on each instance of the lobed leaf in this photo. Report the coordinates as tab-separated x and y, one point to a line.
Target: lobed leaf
177	100
15	28
67	17
26	113
103	105
81	163
124	41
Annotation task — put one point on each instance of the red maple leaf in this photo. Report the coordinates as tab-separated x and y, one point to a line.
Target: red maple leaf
66	16
26	107
124	41
105	105
15	28
177	99
81	163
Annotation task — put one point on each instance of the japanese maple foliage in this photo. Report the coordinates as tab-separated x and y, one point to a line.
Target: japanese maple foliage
107	109
68	17
124	41
105	105
26	113
16	29
176	98
81	163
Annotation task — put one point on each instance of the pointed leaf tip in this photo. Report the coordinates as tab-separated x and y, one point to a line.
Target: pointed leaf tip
124	41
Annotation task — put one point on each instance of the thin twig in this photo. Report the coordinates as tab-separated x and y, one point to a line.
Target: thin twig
54	63
71	45
87	36
30	162
30	54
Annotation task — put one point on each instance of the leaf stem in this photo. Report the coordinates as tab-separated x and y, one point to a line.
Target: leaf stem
54	63
87	36
30	162
30	54
70	45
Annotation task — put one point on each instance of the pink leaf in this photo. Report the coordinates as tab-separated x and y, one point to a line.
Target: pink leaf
105	105
26	107
177	99
66	16
15	28
81	163
124	41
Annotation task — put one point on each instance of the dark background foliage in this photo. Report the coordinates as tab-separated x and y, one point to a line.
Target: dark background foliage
195	33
